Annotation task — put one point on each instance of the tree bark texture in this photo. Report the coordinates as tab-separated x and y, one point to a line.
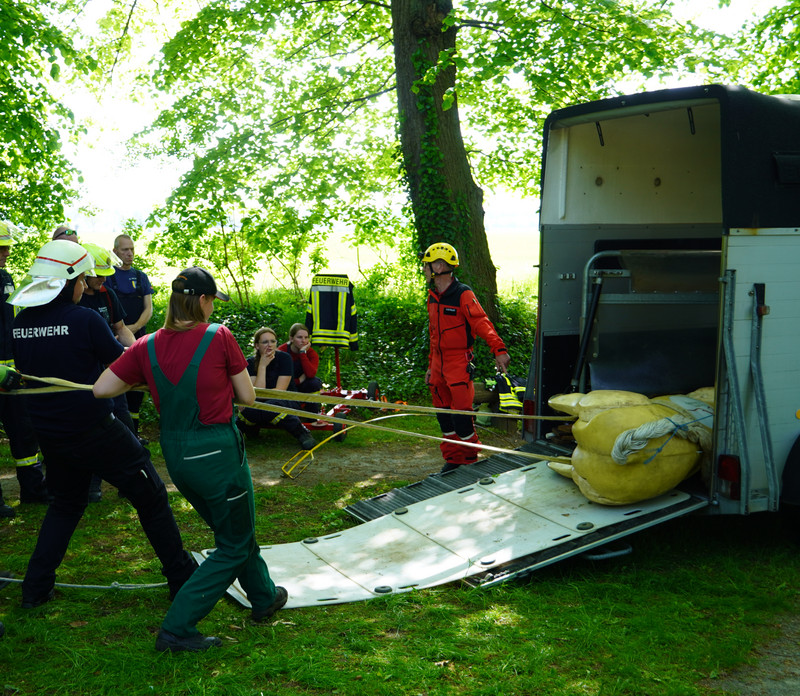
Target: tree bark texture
447	203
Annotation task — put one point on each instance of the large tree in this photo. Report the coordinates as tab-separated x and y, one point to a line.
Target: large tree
290	114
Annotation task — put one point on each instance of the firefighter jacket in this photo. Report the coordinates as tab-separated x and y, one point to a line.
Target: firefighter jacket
331	317
6	319
456	318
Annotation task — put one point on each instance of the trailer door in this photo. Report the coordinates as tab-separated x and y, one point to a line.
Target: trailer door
759	383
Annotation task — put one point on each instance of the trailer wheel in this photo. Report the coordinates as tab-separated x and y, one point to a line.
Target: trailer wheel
341	433
373	392
790	490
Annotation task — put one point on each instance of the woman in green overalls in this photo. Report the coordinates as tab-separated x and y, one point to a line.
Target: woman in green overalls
195	370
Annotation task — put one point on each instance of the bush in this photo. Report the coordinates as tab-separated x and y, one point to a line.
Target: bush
393	336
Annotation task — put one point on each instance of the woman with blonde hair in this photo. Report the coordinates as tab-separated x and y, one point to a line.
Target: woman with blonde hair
195	370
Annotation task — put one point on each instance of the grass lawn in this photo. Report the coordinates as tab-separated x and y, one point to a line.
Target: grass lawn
690	603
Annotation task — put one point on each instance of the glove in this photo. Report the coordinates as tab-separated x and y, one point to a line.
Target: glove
9	378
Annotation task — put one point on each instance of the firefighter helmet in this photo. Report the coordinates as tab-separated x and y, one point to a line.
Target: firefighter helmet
60	259
441	251
7	233
56	264
104	260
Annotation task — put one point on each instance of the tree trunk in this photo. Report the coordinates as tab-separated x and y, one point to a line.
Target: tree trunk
447	203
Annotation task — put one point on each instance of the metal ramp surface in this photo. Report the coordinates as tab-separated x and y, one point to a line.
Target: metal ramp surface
487	532
436	484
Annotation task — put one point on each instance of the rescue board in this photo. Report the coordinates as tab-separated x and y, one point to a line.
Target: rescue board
485	533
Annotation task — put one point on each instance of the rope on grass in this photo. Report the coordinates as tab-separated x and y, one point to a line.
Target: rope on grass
112	586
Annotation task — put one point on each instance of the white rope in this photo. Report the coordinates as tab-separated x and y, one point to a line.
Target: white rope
636	439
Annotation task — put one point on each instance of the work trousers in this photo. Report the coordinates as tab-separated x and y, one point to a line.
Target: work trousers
111	451
209	467
452	388
266	419
17	424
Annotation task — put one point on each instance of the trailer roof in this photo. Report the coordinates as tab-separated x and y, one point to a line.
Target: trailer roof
760	145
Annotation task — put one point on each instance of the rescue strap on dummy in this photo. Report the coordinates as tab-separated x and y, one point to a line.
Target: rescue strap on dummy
631	448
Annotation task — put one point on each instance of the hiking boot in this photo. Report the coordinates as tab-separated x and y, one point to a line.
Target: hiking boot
169	642
306	441
281	595
449	466
33	603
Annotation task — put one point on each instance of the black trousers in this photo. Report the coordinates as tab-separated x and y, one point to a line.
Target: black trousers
110	450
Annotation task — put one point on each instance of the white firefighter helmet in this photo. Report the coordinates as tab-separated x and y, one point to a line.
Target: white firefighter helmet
56	263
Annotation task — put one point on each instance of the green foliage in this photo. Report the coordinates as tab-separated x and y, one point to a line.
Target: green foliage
36	180
767	51
393	345
284	114
392	327
516	325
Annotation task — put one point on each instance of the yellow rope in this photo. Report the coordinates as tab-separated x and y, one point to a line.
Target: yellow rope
62	385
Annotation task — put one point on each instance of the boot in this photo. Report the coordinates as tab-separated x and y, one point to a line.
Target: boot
32	487
293	426
5	510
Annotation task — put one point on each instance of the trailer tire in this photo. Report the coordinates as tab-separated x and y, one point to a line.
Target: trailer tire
790	490
373	392
341	433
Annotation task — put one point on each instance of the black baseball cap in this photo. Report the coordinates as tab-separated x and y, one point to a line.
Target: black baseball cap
197	281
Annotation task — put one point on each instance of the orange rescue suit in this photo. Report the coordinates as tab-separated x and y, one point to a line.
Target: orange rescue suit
455	319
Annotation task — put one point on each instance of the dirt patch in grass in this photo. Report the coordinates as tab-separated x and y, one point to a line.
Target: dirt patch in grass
775	669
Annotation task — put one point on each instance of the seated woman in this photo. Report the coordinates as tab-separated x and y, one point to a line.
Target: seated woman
305	361
270	369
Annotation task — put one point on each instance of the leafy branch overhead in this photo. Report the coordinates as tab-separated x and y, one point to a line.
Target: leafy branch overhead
292	111
290	120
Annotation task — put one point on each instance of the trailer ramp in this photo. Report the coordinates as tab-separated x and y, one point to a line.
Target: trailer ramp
437	484
486	532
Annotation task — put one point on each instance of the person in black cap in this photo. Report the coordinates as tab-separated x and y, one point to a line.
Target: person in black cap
195	370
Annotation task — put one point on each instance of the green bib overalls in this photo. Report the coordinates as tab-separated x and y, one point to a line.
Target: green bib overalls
209	466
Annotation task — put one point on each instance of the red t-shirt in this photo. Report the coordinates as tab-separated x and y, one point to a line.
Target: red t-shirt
174	350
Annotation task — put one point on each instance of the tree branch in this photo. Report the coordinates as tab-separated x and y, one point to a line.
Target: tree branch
121	38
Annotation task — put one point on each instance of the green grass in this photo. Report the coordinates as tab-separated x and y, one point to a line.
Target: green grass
691	602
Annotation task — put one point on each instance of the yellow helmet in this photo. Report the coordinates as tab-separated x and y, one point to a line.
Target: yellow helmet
7	233
104	260
443	251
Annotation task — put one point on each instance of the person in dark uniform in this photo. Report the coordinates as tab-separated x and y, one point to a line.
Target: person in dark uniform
78	434
455	319
98	297
272	369
13	409
134	291
195	370
104	300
